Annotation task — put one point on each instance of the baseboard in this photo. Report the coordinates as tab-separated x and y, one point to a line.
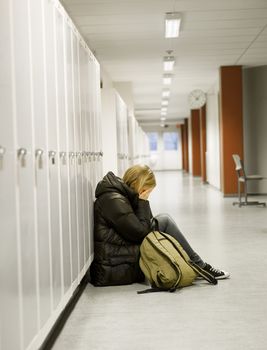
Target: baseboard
63	317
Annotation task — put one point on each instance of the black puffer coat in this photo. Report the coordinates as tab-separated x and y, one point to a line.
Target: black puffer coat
121	221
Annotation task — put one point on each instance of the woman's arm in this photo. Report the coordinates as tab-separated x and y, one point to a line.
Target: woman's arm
132	225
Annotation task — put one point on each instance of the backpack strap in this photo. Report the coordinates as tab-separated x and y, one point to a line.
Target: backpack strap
201	272
153	290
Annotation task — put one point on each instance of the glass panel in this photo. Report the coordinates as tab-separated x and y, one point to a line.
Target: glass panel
153	140
170	140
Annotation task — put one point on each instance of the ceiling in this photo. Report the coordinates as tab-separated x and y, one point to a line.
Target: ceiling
127	37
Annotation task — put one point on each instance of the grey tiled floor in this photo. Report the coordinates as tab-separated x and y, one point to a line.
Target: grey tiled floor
229	316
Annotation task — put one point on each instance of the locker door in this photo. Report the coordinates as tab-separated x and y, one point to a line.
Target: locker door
84	115
25	169
78	147
91	123
53	151
41	161
91	193
70	137
10	337
98	123
95	150
61	100
82	60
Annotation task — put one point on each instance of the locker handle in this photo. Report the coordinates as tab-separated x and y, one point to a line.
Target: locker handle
52	156
63	157
2	152
21	156
38	155
71	156
78	155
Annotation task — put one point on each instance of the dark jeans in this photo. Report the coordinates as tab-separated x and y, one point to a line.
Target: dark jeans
168	225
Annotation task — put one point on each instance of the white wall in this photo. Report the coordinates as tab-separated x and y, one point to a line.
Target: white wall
190	159
109	130
213	139
255	125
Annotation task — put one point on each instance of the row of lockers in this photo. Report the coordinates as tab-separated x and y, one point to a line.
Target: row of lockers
50	162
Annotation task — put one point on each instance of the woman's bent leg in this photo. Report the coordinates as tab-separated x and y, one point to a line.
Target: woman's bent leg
168	225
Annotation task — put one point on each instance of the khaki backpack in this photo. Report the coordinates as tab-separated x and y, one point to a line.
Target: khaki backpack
166	265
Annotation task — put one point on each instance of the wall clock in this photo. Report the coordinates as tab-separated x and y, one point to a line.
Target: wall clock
196	99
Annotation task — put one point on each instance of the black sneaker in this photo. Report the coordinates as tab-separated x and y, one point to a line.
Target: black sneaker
218	274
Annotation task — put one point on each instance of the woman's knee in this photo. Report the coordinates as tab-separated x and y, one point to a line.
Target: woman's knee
163	219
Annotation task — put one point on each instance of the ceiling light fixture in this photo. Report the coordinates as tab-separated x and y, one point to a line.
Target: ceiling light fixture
167	79
164	110
168	63
172	24
165	93
162	118
164	102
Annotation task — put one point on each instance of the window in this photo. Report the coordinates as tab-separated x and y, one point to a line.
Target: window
153	140
170	140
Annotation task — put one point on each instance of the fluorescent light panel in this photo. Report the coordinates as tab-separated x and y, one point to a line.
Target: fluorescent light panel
167	79
164	102
172	24
165	93
168	63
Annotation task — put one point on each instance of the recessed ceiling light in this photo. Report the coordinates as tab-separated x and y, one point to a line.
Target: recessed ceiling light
167	79
162	118
165	93
168	63
172	24
164	102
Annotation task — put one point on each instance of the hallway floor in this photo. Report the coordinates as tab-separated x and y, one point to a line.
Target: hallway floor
229	316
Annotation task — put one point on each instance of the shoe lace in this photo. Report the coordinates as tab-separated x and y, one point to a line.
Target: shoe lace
215	270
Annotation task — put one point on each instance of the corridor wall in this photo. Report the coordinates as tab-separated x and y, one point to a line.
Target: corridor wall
50	162
255	125
139	152
213	139
122	134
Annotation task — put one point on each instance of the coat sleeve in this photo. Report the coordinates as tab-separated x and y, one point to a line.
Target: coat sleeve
132	225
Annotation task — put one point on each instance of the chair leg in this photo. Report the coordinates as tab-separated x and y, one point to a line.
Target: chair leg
246	192
239	203
239	194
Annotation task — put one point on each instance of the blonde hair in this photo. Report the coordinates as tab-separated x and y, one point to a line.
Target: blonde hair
139	177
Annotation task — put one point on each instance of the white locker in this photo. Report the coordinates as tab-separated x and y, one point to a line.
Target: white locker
41	160
25	169
92	76
85	121
84	199
98	123
53	151
62	133
90	127
71	153
10	318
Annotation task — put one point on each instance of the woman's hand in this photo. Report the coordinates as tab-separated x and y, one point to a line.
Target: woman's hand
144	194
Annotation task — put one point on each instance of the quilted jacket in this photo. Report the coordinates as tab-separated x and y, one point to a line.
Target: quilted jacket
121	221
